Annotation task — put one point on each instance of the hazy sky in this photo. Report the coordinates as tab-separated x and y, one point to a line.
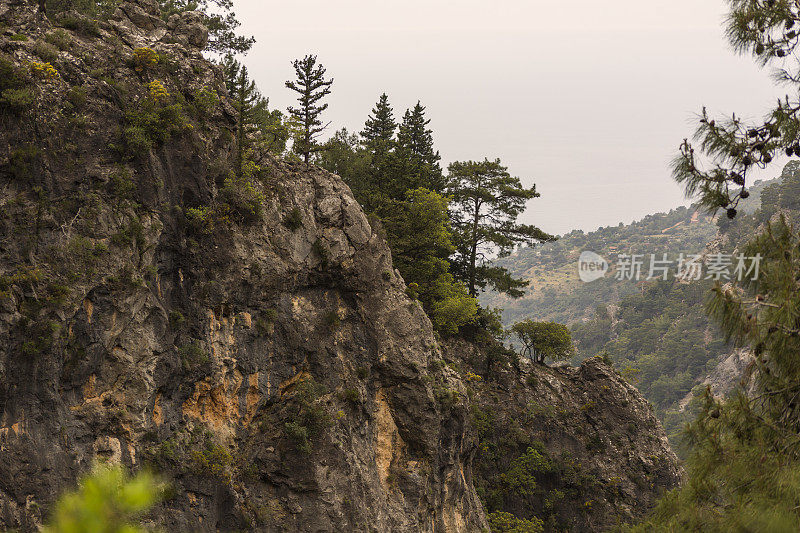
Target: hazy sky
587	99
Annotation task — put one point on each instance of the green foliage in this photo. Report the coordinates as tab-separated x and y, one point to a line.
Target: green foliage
259	131
378	135
19	37
294	220
153	119
23	162
176	319
502	522
77	96
205	101
40	334
60	39
192	355
265	323
543	340
91	10
417	160
240	198
311	416
724	491
220	20
486	203
45	51
321	251
520	477
311	87
660	335
212	459
197	451
18	99
130	235
107	500
728	149
418	231
80	24
351	396
16	90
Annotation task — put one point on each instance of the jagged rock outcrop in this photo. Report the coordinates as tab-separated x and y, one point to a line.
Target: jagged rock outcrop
246	336
578	448
128	333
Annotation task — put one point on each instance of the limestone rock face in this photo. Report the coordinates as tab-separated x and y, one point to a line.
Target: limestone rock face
247	338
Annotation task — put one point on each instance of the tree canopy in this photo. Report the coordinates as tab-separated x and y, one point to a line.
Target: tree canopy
311	87
487	201
544	340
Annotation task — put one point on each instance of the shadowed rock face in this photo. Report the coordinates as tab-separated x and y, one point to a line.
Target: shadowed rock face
602	457
266	361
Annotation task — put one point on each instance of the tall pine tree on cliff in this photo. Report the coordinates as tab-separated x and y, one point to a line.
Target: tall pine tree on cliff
378	135
418	162
257	126
311	87
486	202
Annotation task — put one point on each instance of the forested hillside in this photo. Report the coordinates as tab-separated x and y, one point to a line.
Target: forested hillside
555	291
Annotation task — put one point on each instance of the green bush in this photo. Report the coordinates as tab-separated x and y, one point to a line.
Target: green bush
18	99
322	252
176	319
502	522
19	37
23	161
294	220
311	416
16	90
80	24
205	101
47	52
107	500
520	478
152	121
244	202
60	39
131	234
192	355
351	396
77	96
40	336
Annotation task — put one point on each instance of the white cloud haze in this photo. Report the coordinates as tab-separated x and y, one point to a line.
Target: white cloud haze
587	99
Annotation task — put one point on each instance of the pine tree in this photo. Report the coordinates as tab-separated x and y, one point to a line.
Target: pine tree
258	129
219	18
744	469
311	87
418	163
486	203
379	131
716	168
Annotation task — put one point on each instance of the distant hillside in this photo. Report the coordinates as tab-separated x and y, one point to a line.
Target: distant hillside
556	293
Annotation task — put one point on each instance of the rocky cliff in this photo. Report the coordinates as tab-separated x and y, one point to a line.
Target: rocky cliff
246	336
578	448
